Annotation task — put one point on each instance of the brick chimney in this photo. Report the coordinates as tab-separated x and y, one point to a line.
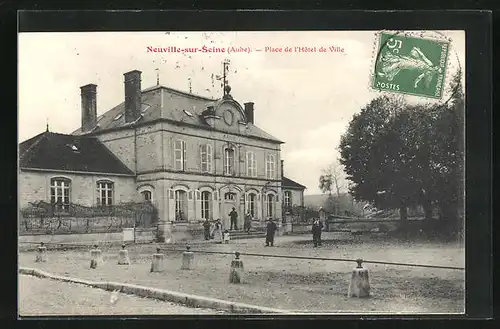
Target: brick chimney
249	112
132	95
89	106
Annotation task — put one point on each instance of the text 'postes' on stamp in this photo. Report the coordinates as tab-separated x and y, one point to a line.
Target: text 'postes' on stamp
410	65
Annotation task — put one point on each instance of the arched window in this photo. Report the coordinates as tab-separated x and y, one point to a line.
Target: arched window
230	196
206	156
206	202
146	196
228	161
60	193
270	205
251	164
270	166
287	200
180	206
252	204
104	193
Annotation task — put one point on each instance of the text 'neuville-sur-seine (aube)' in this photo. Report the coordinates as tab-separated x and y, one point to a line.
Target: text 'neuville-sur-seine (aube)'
232	49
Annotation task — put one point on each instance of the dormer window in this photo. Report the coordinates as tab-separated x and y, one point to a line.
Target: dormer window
118	116
73	147
188	113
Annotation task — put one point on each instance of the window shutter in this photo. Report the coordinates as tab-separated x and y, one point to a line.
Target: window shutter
208	157
198	196
183	155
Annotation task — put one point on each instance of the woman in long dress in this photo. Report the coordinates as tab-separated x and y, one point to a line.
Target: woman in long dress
217	232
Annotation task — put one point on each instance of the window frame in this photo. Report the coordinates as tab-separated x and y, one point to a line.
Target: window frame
207	151
270	166
182	154
143	193
287	199
227	163
108	187
232	194
270	201
181	205
251	164
64	186
206	204
252	204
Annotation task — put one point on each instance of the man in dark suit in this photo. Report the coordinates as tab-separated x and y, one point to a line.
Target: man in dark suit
234	219
317	226
271	230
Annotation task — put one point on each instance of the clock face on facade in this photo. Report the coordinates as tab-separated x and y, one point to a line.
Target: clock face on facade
228	117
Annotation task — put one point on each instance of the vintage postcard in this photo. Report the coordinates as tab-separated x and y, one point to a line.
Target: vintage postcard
219	173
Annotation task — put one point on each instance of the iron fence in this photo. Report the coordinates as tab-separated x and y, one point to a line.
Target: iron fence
46	218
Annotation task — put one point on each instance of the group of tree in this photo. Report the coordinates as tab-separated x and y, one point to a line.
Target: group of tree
400	155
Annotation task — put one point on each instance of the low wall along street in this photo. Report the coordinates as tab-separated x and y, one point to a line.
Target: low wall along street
178	233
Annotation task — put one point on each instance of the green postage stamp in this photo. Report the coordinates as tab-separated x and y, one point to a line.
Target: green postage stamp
410	65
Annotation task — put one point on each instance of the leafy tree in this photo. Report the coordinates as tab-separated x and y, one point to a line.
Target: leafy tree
374	155
399	155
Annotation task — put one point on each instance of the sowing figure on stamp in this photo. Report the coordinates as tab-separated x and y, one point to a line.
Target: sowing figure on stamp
392	64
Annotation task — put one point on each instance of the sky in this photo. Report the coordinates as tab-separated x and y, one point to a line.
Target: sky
305	99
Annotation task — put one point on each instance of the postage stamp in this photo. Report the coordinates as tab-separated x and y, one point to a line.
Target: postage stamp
410	65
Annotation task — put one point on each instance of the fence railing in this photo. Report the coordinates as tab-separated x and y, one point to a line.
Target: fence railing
45	218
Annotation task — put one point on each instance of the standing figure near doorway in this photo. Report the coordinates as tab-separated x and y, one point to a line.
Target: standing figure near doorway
248	222
217	231
234	219
206	229
271	230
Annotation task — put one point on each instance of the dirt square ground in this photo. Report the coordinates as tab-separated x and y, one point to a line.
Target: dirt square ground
295	285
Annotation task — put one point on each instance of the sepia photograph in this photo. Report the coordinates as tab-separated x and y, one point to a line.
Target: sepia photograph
223	173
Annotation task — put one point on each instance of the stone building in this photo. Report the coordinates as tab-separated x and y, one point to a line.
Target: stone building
192	156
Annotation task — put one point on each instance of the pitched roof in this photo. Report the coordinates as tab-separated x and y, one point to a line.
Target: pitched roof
160	102
54	151
287	182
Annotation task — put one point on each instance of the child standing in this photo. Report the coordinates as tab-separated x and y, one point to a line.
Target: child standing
226	237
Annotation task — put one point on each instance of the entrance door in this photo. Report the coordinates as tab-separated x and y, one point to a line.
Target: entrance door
230	202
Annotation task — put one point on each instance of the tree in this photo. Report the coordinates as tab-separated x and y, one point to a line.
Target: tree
375	157
332	179
399	155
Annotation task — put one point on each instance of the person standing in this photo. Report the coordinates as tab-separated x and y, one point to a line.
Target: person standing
248	222
271	230
317	226
234	219
218	231
206	229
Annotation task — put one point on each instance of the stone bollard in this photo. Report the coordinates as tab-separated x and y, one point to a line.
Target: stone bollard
157	263
41	254
123	258
95	257
360	281
187	259
236	274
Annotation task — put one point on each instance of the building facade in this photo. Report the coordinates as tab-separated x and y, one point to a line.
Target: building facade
193	157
